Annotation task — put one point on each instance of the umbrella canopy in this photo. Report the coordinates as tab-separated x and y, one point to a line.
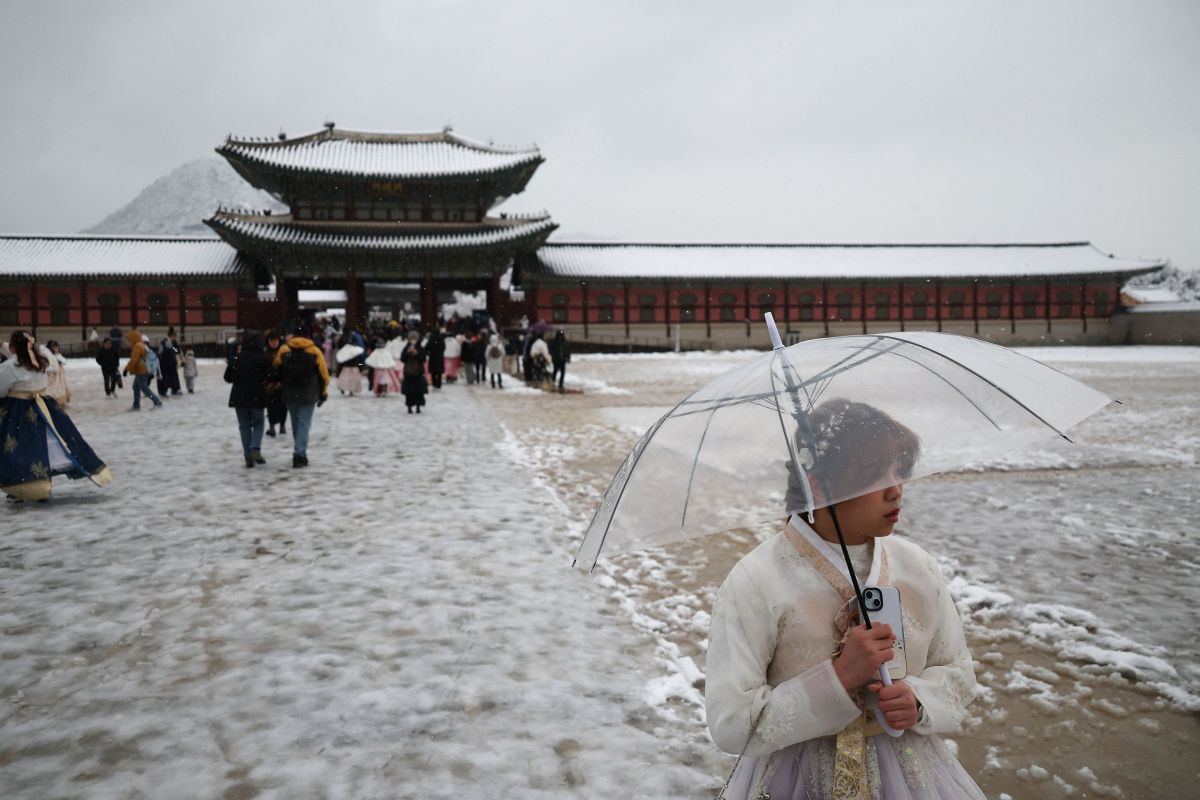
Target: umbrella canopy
381	359
822	421
348	352
396	346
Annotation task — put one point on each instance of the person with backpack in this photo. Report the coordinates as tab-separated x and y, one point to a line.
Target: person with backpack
138	367
250	373
304	379
495	361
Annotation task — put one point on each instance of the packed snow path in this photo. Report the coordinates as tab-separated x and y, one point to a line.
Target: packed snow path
398	620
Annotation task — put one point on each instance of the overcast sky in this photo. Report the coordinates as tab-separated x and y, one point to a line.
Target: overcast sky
1015	120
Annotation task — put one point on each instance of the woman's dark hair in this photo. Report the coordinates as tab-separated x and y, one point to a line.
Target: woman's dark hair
846	448
253	340
25	351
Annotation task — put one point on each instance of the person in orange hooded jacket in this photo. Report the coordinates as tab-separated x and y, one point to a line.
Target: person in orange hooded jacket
136	366
304	378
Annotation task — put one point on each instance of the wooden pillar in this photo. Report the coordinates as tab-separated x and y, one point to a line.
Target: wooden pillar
83	309
1012	307
1083	303
182	309
862	305
33	304
786	306
584	285
429	300
825	305
355	308
133	304
667	306
901	306
746	303
1049	312
626	284
975	304
937	293
707	310
287	291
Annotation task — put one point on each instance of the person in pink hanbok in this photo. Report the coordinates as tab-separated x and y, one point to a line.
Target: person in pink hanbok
793	679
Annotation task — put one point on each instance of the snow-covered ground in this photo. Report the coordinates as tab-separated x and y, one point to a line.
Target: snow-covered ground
399	620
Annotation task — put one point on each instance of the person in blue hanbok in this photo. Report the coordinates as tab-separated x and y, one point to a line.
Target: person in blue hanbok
37	438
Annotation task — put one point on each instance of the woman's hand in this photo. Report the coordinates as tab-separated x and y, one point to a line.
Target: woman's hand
898	703
863	654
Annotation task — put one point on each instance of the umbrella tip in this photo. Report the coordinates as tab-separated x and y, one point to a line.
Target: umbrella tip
776	342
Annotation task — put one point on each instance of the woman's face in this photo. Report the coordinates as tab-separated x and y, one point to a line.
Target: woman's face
871	515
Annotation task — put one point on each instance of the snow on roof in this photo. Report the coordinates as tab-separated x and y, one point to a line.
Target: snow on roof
116	256
1191	306
828	261
1148	294
394	239
387	155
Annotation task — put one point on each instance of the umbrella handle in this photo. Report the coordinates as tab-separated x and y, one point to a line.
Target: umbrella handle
776	342
879	717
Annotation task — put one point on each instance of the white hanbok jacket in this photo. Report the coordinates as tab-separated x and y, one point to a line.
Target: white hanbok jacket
770	680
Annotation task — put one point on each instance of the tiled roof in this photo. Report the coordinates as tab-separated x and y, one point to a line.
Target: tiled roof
116	256
827	261
372	237
339	152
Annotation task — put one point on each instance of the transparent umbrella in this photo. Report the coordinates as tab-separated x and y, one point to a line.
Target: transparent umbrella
753	444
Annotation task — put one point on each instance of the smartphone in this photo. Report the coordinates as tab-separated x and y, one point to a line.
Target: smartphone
883	605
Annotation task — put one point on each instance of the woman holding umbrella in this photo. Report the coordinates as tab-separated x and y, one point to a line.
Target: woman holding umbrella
349	374
793	694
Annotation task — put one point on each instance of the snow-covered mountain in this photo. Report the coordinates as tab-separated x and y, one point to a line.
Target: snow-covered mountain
178	203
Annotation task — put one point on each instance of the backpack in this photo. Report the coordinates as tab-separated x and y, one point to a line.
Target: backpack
495	352
297	367
151	362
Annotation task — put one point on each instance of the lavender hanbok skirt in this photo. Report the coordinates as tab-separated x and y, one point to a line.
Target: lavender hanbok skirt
910	767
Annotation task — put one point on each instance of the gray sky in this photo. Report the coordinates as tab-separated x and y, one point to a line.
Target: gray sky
1030	120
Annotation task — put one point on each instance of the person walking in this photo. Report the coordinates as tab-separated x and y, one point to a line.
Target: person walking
435	354
495	361
467	354
304	378
110	366
137	367
250	373
276	408
168	365
190	370
479	349
452	356
560	356
412	385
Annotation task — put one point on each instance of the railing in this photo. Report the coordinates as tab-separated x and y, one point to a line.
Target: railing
206	342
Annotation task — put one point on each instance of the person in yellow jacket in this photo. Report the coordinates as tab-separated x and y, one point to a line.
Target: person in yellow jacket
304	380
136	366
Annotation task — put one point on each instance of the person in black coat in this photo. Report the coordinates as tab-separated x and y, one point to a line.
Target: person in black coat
412	384
560	356
250	371
435	352
276	408
109	359
168	365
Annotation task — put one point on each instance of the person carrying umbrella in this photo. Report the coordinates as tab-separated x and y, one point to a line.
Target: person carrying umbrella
800	681
788	691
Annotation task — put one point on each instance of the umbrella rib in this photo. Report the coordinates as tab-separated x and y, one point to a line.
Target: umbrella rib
649	435
949	383
995	386
803	474
687	497
828	374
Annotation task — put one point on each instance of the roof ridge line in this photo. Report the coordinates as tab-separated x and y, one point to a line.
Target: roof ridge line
859	245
